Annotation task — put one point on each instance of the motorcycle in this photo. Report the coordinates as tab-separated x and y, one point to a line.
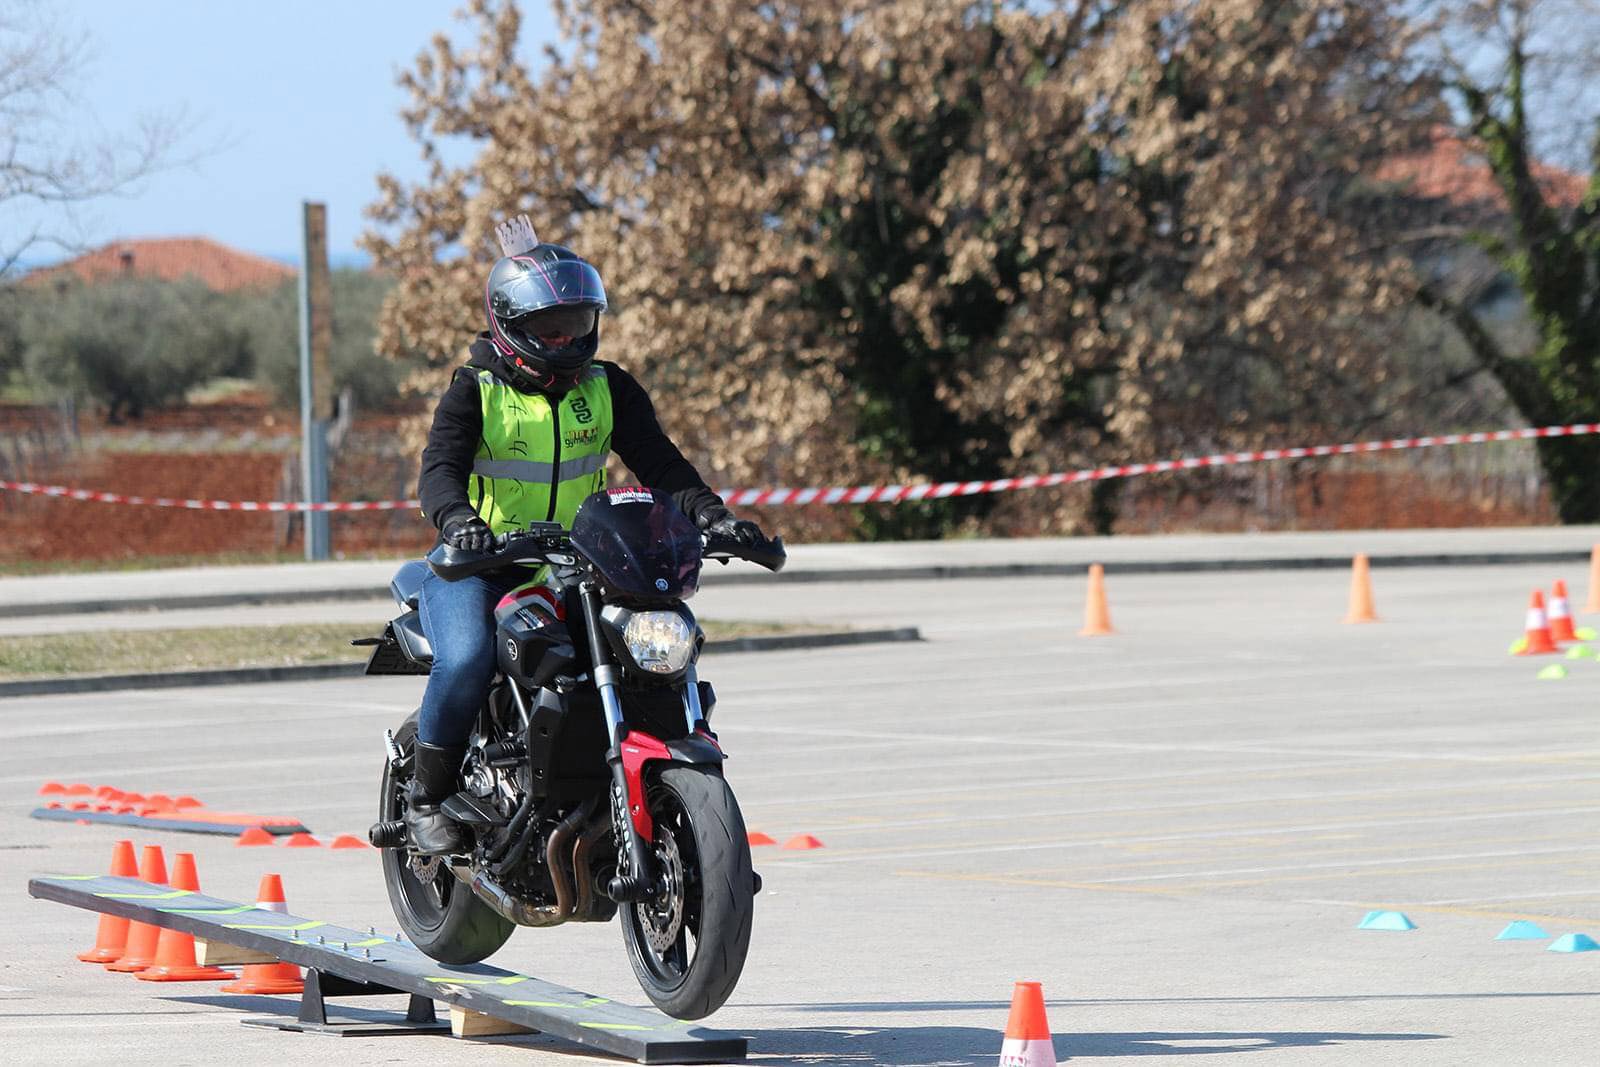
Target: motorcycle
592	784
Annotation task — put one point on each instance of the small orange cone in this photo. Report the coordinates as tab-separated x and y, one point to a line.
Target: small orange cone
1028	1042
52	789
112	936
140	951
1096	615
269	977
1536	641
802	841
348	841
254	836
174	961
1594	580
756	837
1561	614
1361	609
302	841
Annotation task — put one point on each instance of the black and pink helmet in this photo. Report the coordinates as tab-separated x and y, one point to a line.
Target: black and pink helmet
547	290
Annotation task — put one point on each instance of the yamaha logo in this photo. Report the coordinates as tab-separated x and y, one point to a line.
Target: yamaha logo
661	585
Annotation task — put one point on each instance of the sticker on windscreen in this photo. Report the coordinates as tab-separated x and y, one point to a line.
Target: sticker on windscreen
630	496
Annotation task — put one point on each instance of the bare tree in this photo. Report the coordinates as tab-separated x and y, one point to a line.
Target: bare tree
53	157
1520	72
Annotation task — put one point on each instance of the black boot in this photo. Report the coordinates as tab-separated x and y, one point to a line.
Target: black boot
431	831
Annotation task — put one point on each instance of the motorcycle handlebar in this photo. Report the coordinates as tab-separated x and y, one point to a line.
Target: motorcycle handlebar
768	554
539	545
548	543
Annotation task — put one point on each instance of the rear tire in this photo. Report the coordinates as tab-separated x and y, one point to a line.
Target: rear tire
441	916
705	931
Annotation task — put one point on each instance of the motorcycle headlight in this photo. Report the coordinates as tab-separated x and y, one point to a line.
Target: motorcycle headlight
659	641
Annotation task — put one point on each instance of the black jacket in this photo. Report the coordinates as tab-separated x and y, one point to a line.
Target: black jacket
636	438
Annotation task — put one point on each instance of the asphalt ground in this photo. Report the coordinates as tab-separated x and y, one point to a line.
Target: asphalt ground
1175	829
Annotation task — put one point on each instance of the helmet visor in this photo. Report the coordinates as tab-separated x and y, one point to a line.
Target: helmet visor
548	284
561	321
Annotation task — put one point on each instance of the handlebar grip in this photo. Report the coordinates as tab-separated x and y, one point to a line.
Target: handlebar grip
768	554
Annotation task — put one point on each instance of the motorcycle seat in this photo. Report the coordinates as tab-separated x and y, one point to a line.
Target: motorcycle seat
406	585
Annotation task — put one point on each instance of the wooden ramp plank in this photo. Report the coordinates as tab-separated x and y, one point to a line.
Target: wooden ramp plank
643	1035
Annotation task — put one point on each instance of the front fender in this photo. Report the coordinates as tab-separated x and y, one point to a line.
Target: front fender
640	749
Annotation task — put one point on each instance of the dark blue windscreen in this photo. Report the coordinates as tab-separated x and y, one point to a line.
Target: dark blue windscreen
641	543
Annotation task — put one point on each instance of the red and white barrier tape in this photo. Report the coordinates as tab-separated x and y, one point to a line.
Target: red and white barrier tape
870	494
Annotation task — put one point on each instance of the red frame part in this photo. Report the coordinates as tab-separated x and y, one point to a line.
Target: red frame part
638	749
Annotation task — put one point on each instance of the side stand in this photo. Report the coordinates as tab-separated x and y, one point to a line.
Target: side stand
313	1015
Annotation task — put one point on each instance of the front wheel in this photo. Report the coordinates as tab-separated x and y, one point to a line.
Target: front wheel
438	913
687	944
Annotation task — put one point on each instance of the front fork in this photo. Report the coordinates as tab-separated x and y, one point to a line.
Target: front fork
640	882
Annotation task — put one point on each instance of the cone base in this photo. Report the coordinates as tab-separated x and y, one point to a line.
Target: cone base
1351	620
1096	631
1539	648
266	986
132	966
184	974
101	955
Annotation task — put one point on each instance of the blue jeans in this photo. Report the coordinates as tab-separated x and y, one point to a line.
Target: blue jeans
458	620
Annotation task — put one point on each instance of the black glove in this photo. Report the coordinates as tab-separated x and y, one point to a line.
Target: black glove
468	534
718	521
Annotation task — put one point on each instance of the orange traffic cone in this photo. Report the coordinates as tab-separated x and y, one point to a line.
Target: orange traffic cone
1096	615
269	977
1361	609
1028	1042
1536	641
1561	614
112	936
1594	580
175	950
140	951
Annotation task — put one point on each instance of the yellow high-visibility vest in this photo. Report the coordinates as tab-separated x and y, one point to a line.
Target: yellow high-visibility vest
538	459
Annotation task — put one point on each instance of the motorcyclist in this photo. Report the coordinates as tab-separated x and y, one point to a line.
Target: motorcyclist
522	435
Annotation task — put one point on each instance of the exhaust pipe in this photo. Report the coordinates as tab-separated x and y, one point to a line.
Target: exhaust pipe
520	911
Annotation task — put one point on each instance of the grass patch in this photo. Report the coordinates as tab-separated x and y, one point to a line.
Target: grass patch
158	651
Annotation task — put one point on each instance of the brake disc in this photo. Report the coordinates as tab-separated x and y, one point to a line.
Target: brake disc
663	915
426	868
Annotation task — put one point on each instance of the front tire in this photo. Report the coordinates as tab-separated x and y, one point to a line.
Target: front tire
688	944
438	914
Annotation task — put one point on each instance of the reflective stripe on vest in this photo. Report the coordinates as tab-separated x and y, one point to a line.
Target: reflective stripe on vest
537	461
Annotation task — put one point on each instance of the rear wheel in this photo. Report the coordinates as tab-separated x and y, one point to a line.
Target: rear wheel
436	911
687	944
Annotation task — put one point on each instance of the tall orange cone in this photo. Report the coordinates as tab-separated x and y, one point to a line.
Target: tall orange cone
1561	614
1096	615
142	937
175	950
1536	640
1361	609
1594	580
269	977
112	937
1028	1042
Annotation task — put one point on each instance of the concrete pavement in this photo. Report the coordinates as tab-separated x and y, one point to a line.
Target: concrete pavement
1175	829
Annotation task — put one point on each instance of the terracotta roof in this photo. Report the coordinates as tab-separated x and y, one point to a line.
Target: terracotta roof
1453	168
170	259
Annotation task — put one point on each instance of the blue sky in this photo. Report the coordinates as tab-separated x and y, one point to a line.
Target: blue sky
289	101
